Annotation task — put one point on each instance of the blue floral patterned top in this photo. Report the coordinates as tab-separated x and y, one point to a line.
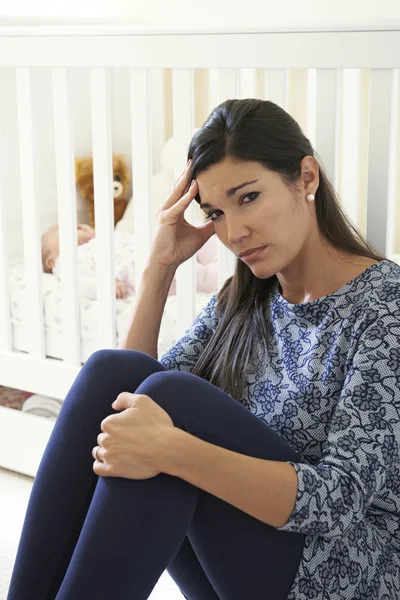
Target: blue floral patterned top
330	387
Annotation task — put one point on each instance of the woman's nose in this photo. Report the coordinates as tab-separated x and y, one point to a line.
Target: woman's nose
236	231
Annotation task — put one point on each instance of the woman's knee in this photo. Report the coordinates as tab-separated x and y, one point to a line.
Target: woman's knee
112	360
170	389
167	380
118	370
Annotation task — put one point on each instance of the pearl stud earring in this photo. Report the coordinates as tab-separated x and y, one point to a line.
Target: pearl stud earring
310	197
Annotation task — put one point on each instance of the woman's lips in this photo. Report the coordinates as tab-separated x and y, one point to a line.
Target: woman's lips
254	255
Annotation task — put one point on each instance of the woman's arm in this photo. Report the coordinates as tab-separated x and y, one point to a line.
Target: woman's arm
175	242
148	310
264	489
325	499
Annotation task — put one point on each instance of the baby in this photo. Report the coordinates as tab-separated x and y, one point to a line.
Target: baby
206	262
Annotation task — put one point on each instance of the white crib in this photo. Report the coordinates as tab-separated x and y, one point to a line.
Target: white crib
339	80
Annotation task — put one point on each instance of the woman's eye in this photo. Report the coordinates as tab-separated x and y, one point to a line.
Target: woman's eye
252	196
211	217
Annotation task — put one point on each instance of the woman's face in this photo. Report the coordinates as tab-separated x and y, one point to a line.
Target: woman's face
252	207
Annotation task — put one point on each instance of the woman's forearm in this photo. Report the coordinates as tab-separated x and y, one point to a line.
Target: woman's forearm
148	310
264	489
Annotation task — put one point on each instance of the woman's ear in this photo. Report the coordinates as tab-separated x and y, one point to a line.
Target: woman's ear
310	171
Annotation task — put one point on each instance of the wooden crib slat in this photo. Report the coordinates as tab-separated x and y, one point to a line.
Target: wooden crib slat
213	91
310	100
157	111
141	167
223	84
300	96
327	115
276	86
103	206
183	121
393	208
5	313
349	144
378	157
30	215
248	83
66	199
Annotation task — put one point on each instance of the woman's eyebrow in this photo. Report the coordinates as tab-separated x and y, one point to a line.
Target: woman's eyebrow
231	192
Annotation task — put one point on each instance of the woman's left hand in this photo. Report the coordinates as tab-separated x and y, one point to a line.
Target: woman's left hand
134	442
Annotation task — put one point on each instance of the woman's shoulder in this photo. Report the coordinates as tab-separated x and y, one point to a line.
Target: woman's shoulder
380	285
376	298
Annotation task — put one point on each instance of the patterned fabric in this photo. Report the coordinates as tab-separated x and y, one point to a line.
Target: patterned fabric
330	386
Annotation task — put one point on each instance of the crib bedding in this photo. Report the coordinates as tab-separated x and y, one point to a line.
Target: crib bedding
89	316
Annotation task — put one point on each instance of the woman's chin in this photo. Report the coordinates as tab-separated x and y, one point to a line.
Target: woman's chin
261	271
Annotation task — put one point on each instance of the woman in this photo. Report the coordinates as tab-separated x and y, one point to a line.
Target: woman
270	469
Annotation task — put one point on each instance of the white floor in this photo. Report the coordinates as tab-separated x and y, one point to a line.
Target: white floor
14	495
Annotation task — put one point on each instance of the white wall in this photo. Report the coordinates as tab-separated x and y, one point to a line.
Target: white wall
59	8
198	12
251	12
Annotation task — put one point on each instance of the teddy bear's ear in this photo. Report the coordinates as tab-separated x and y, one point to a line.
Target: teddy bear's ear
119	159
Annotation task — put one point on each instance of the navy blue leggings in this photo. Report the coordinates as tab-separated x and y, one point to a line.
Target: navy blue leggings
109	538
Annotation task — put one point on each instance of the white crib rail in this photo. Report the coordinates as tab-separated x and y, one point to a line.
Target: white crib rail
276	86
327	119
350	134
103	206
393	160
340	81
30	215
141	135
67	220
5	321
380	130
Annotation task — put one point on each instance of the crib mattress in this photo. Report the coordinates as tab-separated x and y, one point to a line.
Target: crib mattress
89	317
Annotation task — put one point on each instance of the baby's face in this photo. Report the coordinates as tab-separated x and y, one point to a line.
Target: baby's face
84	233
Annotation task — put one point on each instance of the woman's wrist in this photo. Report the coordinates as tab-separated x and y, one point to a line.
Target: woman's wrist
176	443
156	272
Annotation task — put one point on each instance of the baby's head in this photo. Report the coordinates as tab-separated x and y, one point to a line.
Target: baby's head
51	244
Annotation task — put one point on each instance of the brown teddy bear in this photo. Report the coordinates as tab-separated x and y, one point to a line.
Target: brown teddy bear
121	184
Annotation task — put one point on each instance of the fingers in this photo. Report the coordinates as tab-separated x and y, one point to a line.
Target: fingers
179	207
120	289
96	454
179	188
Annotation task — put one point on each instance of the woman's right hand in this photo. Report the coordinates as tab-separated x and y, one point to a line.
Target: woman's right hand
175	239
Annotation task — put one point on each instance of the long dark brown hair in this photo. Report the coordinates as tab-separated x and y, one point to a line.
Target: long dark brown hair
259	131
